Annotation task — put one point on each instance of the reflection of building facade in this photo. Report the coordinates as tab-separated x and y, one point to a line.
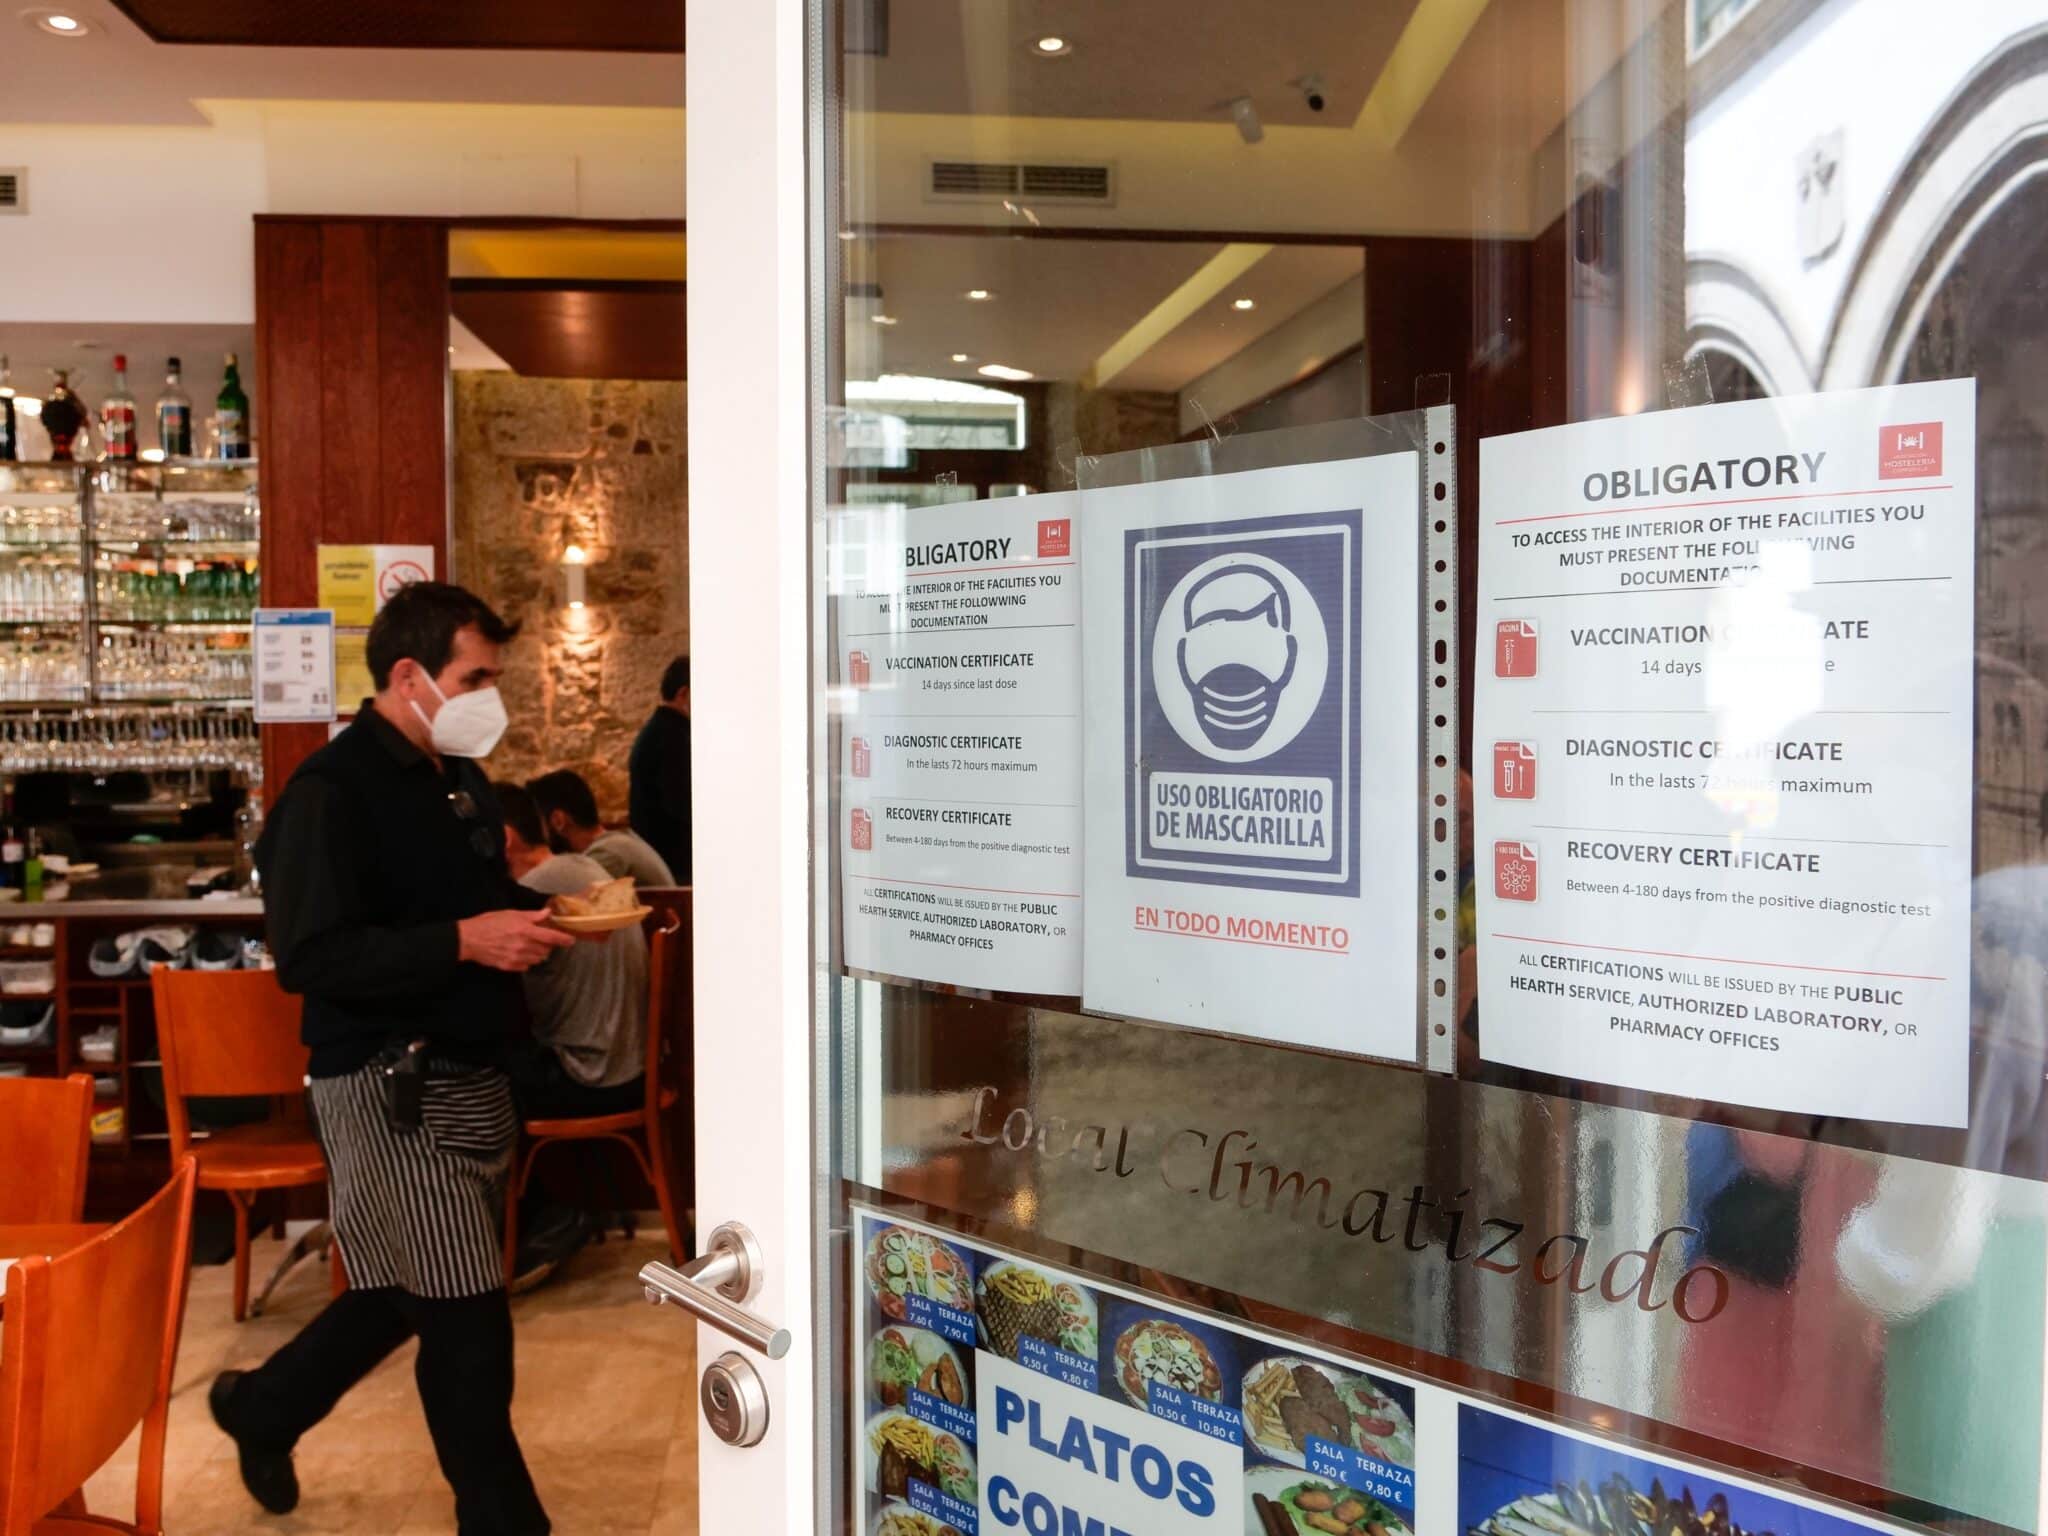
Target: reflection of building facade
1838	238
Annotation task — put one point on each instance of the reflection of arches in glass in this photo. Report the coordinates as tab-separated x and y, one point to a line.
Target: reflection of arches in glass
1729	314
1984	151
1731	377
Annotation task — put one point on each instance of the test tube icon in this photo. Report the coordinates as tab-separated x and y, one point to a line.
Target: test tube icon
1514	770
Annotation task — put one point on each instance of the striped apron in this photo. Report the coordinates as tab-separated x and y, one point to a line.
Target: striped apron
419	1210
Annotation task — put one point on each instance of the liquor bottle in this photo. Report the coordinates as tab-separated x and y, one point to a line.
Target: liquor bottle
10	437
174	417
64	418
32	868
231	412
13	854
117	416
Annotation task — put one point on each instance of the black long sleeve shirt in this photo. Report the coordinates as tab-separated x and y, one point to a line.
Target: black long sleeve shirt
369	861
659	770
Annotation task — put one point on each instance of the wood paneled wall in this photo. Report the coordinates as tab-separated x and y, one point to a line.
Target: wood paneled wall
1437	307
351	419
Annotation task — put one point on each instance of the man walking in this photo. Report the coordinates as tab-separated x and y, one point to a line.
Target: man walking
391	911
659	769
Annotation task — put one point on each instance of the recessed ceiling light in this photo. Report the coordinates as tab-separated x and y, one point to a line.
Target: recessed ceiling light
883	319
1052	47
1244	303
58	23
1003	371
962	357
979	295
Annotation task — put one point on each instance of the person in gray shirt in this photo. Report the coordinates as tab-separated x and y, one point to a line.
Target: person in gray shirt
568	811
588	1003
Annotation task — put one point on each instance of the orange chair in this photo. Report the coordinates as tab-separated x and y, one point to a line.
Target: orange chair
232	1034
46	1143
87	1348
640	1131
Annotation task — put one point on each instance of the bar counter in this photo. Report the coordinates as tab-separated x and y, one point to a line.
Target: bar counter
140	891
106	1026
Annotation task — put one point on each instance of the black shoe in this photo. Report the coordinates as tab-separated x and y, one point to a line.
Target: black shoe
556	1234
268	1475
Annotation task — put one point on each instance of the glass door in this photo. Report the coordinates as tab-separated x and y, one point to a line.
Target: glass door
1390	879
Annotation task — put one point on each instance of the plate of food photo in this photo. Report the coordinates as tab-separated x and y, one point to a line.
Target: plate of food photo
1283	1502
901	1357
901	1263
1015	1301
1149	1348
897	1518
900	1448
1288	1399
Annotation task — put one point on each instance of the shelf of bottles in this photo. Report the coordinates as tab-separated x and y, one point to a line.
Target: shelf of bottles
127	582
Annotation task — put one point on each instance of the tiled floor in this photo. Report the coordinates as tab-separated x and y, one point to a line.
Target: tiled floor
606	1411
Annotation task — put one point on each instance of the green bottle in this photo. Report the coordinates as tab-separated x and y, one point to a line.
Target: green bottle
231	414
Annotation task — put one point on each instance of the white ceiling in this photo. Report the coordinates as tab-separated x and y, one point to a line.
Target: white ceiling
115	74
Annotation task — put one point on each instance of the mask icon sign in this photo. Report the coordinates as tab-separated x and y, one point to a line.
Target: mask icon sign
1243	696
1237	650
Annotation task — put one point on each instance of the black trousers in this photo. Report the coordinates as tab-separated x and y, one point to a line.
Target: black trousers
465	1380
546	1092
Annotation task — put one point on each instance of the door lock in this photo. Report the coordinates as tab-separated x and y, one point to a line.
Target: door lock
735	1400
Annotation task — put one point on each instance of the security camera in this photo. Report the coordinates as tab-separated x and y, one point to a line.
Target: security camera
1311	88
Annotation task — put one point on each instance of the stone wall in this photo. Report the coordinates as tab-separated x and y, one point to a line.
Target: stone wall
543	464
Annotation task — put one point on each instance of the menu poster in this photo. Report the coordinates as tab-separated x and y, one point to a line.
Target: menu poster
1253	772
997	1394
959	652
1517	1476
1724	732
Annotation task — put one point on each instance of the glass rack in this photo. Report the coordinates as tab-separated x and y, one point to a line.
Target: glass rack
127	583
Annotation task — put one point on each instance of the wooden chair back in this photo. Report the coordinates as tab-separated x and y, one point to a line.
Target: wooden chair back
668	993
672	1043
224	1034
46	1146
88	1344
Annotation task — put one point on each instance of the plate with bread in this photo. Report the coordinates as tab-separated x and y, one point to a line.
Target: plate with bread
603	908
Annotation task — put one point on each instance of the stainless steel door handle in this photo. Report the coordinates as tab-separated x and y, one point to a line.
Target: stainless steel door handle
711	1288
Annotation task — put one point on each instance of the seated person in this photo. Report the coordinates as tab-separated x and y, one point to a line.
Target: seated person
588	1055
568	810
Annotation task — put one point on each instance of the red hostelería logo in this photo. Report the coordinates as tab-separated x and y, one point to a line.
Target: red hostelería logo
1909	451
1055	537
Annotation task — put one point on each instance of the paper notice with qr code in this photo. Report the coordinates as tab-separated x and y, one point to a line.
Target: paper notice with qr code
294	664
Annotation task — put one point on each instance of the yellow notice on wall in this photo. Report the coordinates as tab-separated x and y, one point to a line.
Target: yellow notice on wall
348	585
358	579
352	681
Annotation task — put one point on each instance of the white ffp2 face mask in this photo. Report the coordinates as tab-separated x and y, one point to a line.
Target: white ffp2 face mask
468	725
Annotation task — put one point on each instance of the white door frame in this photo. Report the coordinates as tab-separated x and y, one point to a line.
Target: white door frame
749	431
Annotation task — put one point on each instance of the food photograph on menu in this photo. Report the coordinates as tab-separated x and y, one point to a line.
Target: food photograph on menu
1517	1477
1337	1447
998	1392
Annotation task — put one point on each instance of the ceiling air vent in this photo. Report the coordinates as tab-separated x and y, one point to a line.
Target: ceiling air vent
985	181
13	189
1066	183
